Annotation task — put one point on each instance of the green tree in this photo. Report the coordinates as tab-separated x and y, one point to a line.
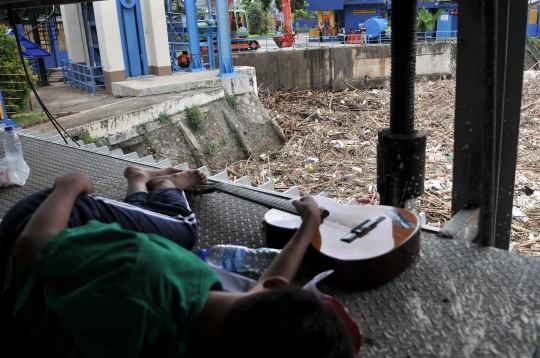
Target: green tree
295	5
266	5
15	88
256	17
426	20
300	14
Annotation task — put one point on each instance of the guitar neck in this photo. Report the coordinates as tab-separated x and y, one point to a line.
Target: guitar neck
270	200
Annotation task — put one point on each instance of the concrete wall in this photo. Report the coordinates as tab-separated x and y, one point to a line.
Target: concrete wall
74	32
110	42
156	38
339	67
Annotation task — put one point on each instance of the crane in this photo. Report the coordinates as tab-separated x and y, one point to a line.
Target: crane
287	38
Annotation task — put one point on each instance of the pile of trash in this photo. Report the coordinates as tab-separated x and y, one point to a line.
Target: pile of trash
331	148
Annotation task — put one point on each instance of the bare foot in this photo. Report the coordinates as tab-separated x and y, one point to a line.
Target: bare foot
181	180
133	173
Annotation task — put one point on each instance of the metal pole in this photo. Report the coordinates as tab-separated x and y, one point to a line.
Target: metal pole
401	148
226	68
196	64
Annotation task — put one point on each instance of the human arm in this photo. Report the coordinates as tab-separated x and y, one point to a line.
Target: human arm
286	264
52	216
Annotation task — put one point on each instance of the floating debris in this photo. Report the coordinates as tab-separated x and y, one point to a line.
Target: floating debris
331	149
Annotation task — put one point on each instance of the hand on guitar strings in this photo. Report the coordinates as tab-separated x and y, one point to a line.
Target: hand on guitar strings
307	206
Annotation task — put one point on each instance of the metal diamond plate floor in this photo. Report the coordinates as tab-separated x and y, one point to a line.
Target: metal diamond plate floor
455	300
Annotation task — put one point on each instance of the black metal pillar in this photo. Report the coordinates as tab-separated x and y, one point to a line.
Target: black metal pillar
37	41
488	101
401	150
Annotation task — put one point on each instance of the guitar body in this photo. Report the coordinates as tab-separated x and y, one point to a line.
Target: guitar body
370	259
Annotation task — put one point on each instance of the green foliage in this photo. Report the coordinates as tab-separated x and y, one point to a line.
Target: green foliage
266	5
300	14
212	148
164	119
388	32
149	143
426	21
176	6
532	40
195	117
24	120
223	141
87	138
256	16
297	5
14	84
232	101
143	127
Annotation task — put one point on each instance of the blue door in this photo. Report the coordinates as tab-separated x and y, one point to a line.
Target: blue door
132	34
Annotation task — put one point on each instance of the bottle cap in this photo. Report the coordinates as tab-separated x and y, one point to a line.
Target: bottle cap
8	128
203	254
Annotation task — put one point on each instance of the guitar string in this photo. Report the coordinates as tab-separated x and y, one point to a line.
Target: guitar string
276	202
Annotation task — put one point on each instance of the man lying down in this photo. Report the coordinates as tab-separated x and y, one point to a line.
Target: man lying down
92	277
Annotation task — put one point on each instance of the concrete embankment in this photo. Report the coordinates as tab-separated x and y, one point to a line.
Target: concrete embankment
338	67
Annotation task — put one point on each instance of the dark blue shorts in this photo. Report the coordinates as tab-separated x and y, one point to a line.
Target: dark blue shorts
164	212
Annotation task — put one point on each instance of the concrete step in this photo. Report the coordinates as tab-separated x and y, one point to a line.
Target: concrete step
148	160
90	146
165	163
102	150
294	191
352	202
267	186
131	156
205	170
244	180
185	166
186	81
222	176
117	153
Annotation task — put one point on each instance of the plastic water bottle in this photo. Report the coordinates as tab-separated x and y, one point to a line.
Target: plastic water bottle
12	147
239	258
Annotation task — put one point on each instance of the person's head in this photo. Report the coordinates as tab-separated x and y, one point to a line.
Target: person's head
285	322
184	52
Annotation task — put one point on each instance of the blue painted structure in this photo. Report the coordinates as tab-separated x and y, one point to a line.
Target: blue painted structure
30	48
132	35
375	27
196	64
304	25
56	56
447	22
90	32
226	68
4	119
77	75
533	27
351	13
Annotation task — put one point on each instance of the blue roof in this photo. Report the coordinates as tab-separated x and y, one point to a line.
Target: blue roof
30	48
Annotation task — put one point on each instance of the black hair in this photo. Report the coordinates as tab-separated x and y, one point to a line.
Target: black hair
285	323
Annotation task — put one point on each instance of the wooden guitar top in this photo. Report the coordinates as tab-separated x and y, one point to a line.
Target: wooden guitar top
396	228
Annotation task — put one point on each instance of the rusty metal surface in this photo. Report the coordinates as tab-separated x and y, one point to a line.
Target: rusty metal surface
456	300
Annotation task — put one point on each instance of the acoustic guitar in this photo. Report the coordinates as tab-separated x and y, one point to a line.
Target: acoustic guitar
364	245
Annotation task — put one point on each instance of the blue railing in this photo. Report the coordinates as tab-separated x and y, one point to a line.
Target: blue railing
80	75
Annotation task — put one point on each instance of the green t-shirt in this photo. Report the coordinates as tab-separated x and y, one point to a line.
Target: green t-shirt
100	291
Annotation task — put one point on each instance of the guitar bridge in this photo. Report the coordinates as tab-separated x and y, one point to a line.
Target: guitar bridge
364	226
